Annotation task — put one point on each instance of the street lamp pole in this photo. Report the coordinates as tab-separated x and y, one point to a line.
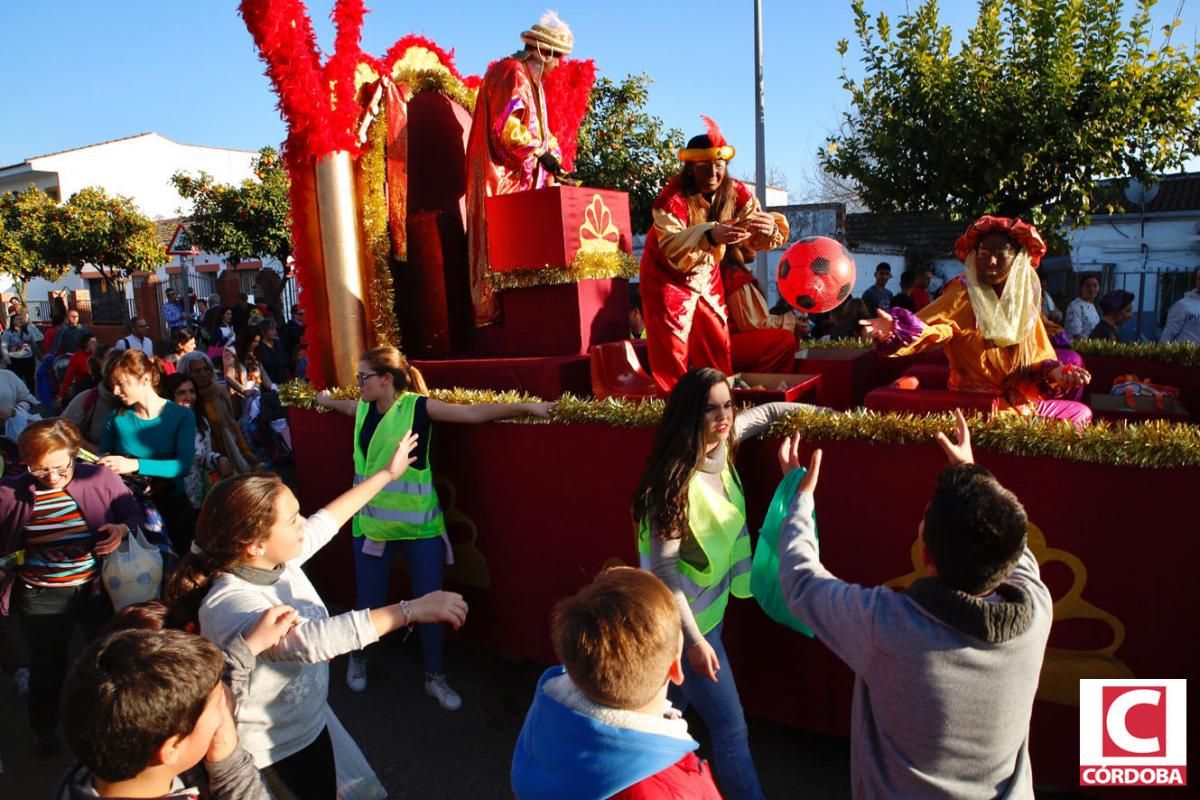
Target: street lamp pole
760	137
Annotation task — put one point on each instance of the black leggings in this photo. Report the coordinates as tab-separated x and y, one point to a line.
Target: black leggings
306	775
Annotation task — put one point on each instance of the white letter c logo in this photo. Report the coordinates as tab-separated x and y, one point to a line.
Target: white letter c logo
1114	721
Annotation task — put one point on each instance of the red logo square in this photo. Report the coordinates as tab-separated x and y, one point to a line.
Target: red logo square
1134	721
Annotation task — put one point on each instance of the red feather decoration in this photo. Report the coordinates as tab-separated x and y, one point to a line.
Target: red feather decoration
714	132
568	94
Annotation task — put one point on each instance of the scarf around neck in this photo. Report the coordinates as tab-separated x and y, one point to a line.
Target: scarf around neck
1009	318
215	396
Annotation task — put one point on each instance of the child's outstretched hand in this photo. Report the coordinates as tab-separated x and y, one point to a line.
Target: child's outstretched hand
789	453
789	459
271	628
403	458
958	451
440	606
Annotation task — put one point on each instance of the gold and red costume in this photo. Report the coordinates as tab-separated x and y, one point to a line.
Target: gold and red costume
683	298
759	340
509	131
1015	366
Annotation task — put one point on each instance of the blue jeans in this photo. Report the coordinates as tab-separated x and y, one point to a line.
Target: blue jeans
721	709
426	561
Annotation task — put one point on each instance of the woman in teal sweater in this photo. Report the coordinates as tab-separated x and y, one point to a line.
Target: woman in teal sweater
153	437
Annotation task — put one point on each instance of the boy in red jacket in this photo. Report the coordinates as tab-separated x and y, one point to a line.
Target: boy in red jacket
601	726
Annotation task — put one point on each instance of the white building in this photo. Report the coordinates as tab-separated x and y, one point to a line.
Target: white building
139	167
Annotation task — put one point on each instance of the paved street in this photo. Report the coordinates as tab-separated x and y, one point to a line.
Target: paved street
420	751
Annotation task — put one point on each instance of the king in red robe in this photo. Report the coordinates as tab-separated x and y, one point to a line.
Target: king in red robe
699	213
511	148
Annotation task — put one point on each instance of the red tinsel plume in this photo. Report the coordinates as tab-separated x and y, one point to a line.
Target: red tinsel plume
714	132
568	92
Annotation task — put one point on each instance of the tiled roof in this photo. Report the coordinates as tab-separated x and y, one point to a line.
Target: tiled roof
165	229
1177	192
928	234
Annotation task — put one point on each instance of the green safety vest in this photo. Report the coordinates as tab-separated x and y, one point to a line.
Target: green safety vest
407	508
718	523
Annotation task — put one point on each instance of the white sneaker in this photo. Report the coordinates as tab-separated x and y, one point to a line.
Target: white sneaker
356	672
437	688
21	679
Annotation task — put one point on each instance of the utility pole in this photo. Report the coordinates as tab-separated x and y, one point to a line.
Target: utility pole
760	139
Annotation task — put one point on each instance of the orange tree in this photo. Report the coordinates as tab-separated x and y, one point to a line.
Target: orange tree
105	232
245	221
24	222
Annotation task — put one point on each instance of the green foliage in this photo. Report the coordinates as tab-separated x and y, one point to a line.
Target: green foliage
108	233
24	217
622	147
241	222
1042	99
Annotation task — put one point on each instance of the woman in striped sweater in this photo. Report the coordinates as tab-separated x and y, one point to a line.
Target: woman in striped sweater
60	516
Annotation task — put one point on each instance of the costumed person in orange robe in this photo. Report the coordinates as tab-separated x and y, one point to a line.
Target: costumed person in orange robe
759	340
988	320
511	148
699	213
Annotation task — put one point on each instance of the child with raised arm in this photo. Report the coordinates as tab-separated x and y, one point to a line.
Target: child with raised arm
251	543
946	671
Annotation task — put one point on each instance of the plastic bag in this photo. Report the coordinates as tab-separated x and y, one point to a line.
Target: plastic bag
355	778
17	423
764	573
133	572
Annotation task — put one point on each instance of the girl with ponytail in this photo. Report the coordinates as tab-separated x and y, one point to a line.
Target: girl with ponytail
250	545
405	516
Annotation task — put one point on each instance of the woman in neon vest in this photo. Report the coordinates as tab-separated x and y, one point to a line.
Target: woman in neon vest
406	515
692	534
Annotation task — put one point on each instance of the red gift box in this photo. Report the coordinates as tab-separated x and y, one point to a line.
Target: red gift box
565	320
776	387
547	227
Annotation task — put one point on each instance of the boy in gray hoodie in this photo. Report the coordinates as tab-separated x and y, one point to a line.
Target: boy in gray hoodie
945	672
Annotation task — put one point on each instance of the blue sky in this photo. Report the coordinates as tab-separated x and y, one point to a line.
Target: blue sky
82	72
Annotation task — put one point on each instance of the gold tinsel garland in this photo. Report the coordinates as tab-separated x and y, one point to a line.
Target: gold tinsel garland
372	195
431	80
1151	445
584	266
1184	353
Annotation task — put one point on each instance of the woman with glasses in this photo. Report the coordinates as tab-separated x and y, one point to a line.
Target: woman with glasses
406	514
63	516
988	320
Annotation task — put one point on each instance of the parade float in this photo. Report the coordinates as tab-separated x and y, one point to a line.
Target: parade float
376	154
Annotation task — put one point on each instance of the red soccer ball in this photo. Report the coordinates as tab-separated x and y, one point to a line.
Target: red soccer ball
816	274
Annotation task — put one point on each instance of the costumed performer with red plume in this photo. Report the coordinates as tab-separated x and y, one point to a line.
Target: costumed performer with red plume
989	322
699	213
511	148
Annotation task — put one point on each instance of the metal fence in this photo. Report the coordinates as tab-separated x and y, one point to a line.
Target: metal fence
1154	294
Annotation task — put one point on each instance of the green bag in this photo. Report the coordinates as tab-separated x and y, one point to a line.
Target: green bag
764	573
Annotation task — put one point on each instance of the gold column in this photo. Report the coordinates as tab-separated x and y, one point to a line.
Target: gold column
341	247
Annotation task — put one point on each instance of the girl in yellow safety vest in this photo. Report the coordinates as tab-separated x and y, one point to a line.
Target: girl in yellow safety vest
692	533
406	514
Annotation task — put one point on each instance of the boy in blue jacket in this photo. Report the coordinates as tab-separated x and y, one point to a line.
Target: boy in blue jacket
601	726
